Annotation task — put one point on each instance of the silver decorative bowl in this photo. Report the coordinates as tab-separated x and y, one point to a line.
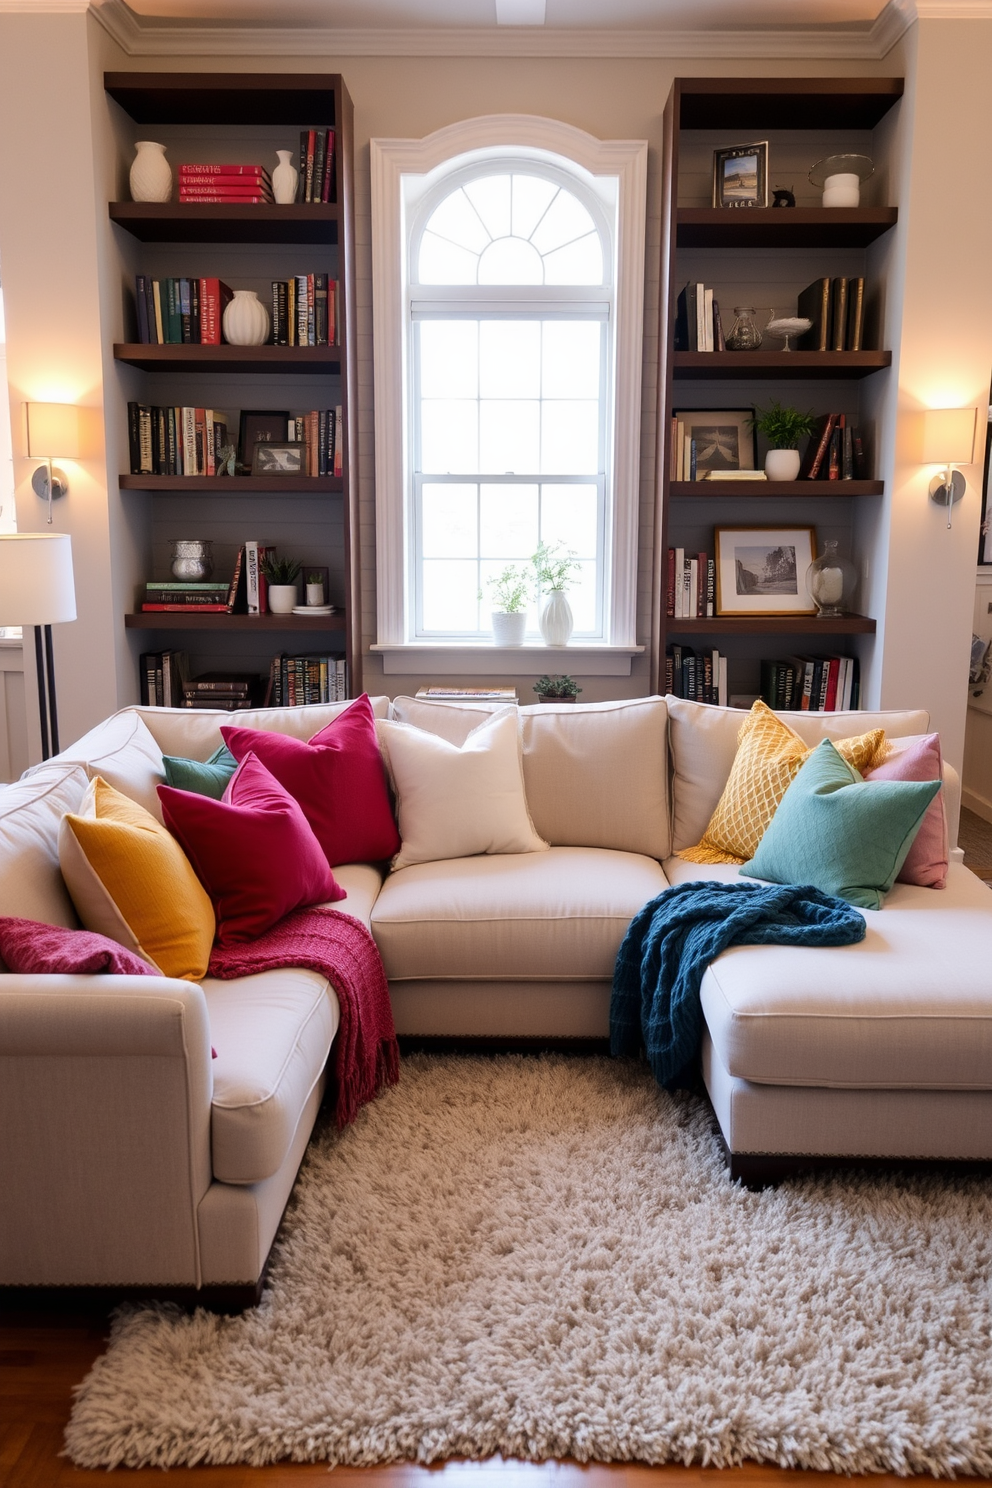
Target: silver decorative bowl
192	558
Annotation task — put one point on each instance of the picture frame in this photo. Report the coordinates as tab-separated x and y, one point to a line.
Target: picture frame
278	458
260	424
762	570
725	438
740	175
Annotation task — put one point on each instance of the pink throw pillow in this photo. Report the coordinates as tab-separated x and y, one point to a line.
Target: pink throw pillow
28	945
338	779
252	851
920	759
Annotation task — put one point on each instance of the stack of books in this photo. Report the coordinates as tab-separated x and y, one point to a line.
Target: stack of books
207	598
835	452
316	182
174	441
815	684
231	691
248	184
469	694
698	322
180	312
305	311
162	676
702	678
837	309
691	587
301	681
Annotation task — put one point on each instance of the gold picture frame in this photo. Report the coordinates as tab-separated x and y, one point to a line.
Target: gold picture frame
762	570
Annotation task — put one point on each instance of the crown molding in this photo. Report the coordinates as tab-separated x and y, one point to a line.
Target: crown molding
43	7
954	10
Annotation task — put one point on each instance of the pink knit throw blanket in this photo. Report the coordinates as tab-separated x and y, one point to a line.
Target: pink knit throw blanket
365	1056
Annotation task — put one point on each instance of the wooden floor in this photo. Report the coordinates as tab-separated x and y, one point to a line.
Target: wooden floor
975	837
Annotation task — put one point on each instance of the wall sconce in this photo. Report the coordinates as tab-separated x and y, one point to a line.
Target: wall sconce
948	440
54	431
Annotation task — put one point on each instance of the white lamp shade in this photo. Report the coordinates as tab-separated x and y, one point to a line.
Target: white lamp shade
54	431
36	586
948	436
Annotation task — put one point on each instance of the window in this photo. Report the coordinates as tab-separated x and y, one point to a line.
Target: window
507	333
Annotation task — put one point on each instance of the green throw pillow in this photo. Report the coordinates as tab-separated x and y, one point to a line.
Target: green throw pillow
204	777
842	834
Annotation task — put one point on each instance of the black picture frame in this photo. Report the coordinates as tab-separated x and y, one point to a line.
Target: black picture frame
737	182
278	458
265	425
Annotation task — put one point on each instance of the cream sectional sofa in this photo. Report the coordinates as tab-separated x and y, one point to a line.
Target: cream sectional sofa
128	1157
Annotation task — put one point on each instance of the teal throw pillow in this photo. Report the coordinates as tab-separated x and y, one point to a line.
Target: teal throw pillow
842	834
203	777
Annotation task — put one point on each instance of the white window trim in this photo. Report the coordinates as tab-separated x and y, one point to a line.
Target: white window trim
392	160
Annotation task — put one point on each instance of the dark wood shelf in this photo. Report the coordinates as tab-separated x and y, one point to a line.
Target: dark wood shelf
784	625
786	103
184	620
306	361
693	490
283	98
790	227
724	366
227	222
236	485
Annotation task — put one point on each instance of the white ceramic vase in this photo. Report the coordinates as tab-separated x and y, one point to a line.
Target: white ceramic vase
246	320
282	599
285	178
782	464
151	173
556	619
315	594
508	629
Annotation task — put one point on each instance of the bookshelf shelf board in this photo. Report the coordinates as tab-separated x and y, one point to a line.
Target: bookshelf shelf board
723	366
784	625
303	360
227	222
772	227
760	489
785	103
282	98
175	620
236	485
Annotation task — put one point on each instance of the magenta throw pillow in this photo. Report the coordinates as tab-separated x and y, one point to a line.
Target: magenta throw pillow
338	779
28	945
253	851
920	759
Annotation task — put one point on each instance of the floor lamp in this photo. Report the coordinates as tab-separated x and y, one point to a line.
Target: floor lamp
36	588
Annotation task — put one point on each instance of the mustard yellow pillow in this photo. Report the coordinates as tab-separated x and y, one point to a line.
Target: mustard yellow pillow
129	879
769	756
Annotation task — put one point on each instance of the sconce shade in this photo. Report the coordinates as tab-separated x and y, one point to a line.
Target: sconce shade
948	436
54	431
36	586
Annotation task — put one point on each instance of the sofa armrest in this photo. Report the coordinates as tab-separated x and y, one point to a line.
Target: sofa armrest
105	1090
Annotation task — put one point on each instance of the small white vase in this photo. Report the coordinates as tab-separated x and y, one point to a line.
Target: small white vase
246	320
508	629
285	178
556	619
842	190
315	594
151	173
782	464
282	599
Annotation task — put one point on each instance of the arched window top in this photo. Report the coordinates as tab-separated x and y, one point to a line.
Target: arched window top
511	227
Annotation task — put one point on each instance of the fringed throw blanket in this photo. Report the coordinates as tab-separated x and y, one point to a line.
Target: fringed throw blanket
672	940
364	1056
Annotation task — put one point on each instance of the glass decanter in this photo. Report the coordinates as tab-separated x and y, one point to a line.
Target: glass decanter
744	333
830	580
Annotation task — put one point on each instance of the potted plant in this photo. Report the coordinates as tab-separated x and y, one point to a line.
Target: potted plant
315	588
783	428
559	689
556	567
281	575
509	592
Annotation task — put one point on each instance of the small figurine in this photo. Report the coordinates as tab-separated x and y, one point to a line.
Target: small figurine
783	198
226	459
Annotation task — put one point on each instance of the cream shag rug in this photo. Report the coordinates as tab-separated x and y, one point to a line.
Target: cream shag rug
545	1258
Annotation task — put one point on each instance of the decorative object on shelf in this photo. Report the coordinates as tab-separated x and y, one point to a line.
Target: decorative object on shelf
784	197
509	592
744	334
279	459
830	580
758	570
948	440
246	320
192	558
840	177
783	428
226	459
36	588
316	586
151	174
259	426
285	178
281	575
724	438
557	689
555	570
54	431
740	176
784	327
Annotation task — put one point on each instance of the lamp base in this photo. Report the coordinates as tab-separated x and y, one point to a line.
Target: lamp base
945	494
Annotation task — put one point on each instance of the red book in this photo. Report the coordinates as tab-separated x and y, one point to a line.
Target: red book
311	148
831	702
214	295
325	193
701	587
193	171
216	198
224	188
194	609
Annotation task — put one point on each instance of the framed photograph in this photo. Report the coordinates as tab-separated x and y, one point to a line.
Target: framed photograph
740	176
725	439
260	425
278	459
762	570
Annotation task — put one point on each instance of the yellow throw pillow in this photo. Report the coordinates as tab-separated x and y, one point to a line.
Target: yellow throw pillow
767	761
129	879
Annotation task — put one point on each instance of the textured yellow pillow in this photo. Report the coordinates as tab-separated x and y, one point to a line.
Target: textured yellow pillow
767	761
130	879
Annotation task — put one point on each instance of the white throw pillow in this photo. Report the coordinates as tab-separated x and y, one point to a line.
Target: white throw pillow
456	802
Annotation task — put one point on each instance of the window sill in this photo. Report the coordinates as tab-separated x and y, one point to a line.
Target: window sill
413	658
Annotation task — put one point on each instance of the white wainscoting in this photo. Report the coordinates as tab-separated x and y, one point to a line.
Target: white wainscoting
13	716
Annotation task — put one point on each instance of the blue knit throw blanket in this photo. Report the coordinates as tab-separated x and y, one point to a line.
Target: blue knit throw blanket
671	941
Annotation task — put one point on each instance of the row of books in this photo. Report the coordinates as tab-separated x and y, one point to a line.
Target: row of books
316	166
818	684
180	312
701	678
835	452
174	440
698	322
165	682
300	681
244	593
248	184
305	311
837	309
691	587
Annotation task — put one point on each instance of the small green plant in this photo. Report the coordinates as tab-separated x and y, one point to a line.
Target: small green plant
557	687
783	427
556	566
315	578
510	590
281	570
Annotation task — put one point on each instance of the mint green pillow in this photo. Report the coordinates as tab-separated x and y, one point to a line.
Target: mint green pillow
842	834
203	777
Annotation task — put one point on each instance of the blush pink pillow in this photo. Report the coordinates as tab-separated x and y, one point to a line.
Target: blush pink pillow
920	759
338	779
252	851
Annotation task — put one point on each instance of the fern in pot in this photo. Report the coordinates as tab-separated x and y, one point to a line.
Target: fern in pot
509	593
783	428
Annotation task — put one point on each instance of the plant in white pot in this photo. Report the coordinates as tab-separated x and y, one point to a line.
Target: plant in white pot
281	575
556	567
783	428
509	592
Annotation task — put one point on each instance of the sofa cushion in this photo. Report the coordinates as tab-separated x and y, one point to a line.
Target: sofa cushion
124	753
361	883
703	743
920	759
203	777
560	914
31	812
195	732
272	1033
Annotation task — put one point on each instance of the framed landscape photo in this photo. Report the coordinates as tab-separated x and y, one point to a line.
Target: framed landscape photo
762	570
725	438
740	176
260	425
285	458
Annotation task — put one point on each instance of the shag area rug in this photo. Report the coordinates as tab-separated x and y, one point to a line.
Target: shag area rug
545	1258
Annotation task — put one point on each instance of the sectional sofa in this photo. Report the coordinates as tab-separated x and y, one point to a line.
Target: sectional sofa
130	1157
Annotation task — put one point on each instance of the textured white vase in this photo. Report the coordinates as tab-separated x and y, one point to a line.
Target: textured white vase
285	178
282	599
246	320
556	619
151	173
508	629
782	464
